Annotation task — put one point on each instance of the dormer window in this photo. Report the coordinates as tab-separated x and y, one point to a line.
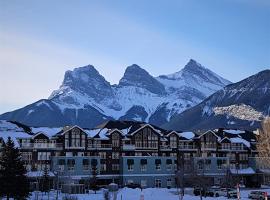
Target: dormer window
115	140
173	141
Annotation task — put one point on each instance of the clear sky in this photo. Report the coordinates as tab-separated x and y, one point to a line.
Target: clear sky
40	40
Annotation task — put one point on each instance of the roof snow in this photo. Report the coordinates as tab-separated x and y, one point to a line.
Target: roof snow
240	140
46	130
8	129
188	135
248	170
233	131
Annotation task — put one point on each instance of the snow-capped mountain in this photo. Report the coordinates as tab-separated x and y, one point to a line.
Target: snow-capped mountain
239	105
85	97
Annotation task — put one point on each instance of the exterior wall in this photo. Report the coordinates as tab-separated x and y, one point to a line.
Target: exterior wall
150	174
78	171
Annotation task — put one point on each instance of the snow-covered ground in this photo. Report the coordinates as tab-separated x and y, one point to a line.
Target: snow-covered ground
149	194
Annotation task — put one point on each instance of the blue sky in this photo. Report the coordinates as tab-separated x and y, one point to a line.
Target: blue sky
40	40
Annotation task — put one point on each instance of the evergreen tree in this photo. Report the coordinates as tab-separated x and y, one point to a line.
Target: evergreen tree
13	180
45	187
94	175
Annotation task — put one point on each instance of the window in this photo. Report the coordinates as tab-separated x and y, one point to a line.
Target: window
225	146
143	183
207	164
186	155
115	155
115	167
173	141
115	140
130	167
138	153
86	166
102	155
143	167
103	167
200	164
138	140
44	155
71	164
169	182
157	183
221	164
158	164
243	156
27	156
173	154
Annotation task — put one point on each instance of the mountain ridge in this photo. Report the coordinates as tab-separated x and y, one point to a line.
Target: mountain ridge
86	98
238	105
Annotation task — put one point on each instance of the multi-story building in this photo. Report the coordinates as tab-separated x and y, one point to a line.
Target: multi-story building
126	152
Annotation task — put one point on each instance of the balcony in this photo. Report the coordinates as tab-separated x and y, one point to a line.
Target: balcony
26	145
128	147
48	146
187	147
208	147
41	146
165	148
100	146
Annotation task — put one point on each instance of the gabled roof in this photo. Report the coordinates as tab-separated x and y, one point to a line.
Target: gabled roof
62	132
39	133
209	131
146	125
225	139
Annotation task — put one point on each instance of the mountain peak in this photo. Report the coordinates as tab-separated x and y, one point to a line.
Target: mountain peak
81	73
87	81
193	64
138	77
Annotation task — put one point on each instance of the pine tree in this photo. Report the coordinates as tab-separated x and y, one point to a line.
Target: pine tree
45	180
13	180
94	175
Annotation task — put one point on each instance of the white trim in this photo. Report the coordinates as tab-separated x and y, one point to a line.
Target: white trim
38	133
144	127
115	129
224	139
210	132
75	126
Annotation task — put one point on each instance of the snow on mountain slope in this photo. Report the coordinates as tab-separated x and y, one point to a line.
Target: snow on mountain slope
195	76
86	98
239	105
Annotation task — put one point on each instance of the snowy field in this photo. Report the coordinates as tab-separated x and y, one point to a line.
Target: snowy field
149	194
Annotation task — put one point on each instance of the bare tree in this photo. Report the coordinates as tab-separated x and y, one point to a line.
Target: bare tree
263	145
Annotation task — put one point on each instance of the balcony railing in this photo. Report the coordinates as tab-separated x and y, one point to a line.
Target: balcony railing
99	146
189	147
27	145
128	147
48	145
165	147
41	146
209	146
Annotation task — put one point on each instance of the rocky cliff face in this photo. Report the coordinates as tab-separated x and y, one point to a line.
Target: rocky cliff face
239	105
87	99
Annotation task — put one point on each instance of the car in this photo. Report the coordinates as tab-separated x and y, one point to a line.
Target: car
232	194
212	192
198	190
216	191
257	195
133	185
